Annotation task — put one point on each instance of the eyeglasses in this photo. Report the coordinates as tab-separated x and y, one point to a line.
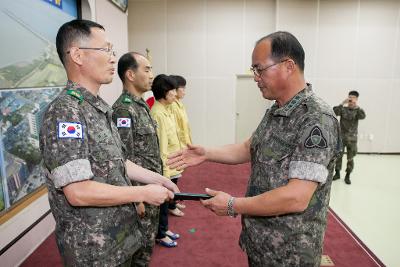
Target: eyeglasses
109	50
258	71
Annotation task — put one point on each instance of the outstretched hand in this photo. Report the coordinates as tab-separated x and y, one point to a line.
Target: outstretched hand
218	203
190	156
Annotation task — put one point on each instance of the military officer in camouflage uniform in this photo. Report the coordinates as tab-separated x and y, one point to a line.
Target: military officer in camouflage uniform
292	155
350	113
138	132
88	178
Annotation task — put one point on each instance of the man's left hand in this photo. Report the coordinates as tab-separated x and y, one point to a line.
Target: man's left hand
218	203
140	209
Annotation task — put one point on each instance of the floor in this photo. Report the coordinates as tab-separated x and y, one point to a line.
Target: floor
370	205
202	242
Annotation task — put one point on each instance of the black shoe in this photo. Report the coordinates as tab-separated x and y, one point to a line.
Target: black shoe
347	178
336	176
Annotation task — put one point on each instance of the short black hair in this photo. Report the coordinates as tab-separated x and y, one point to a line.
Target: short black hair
354	93
162	84
181	82
72	31
285	44
127	62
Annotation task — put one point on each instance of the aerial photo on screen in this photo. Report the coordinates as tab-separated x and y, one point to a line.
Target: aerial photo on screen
28	31
31	76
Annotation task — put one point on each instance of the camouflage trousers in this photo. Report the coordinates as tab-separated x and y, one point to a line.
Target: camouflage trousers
149	227
351	148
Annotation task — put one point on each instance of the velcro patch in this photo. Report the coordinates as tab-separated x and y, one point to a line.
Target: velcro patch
123	122
316	139
70	130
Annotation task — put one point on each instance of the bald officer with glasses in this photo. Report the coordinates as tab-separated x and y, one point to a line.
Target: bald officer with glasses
88	178
292	154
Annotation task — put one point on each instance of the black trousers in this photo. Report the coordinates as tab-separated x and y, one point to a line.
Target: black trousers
163	219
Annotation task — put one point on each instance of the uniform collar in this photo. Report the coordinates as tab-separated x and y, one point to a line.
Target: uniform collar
291	105
139	100
93	100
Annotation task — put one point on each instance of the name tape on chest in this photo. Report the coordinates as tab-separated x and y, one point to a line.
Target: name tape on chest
123	122
70	130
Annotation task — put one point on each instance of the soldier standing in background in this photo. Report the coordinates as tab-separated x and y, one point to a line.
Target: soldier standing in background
139	134
350	113
88	178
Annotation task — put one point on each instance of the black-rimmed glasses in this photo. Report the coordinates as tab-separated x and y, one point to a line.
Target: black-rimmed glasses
258	71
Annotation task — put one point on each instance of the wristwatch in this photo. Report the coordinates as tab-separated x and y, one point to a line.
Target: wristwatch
230	210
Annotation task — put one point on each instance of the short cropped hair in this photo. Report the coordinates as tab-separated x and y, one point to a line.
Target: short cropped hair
285	45
181	82
354	93
72	31
162	84
127	62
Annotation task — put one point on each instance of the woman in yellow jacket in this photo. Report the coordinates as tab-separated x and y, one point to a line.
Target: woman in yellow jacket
178	109
164	91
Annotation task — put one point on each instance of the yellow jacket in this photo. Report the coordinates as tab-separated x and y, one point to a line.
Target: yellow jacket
182	122
167	135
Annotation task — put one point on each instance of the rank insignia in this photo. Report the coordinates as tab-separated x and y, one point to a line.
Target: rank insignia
127	100
123	122
70	130
315	139
75	94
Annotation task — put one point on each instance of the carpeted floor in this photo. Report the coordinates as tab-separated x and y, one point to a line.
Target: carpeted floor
209	240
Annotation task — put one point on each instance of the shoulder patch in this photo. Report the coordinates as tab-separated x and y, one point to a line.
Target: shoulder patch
75	94
124	122
70	130
316	139
127	100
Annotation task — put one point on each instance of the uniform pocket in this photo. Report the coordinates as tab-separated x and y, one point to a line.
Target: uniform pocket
275	149
147	140
145	130
108	164
105	152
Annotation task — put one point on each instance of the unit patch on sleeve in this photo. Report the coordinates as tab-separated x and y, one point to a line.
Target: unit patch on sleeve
123	122
316	139
70	130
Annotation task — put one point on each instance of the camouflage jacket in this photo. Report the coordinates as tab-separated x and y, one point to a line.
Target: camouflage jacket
139	133
349	121
299	140
79	141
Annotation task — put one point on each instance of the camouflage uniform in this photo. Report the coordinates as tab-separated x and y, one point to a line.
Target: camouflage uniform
349	129
87	236
299	140
141	141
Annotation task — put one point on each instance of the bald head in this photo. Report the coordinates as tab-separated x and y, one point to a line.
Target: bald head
129	61
285	45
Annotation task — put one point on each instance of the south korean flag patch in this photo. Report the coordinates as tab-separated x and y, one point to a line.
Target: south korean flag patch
123	122
70	130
